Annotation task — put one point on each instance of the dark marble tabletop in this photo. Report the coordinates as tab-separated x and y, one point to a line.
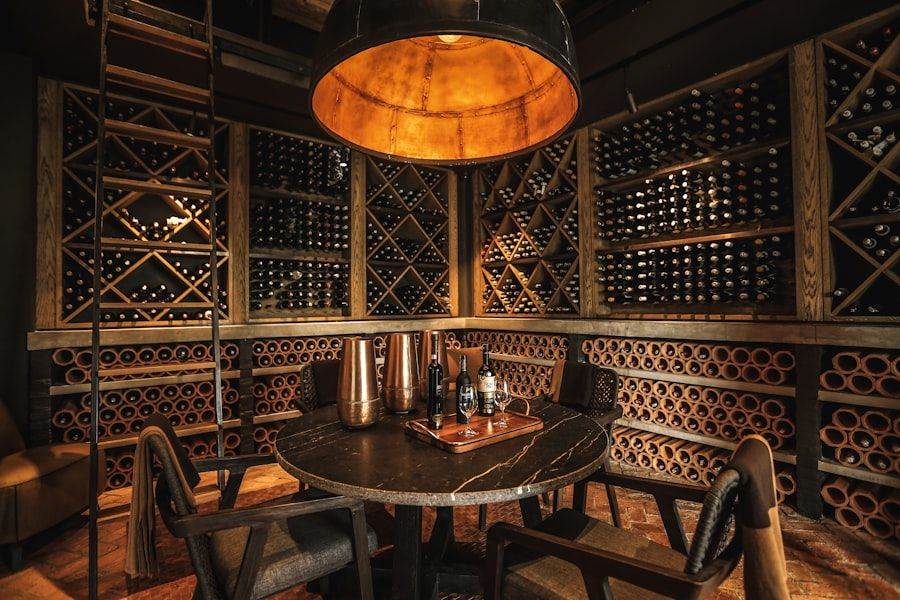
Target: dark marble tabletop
383	464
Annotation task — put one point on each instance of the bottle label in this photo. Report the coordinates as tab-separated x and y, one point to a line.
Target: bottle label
487	385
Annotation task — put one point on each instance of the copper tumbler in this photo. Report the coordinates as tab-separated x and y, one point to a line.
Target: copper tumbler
400	385
425	341
357	394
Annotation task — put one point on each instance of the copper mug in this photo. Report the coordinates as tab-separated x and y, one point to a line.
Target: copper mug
425	341
400	385
358	405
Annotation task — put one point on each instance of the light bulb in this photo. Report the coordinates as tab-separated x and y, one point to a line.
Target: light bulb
449	38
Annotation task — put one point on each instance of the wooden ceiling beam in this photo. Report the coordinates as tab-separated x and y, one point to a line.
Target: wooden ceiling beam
309	13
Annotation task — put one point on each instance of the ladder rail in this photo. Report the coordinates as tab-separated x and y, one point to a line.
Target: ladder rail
213	248
93	491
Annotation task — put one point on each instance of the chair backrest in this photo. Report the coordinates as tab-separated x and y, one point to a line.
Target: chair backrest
592	389
473	362
318	384
172	501
711	539
10	439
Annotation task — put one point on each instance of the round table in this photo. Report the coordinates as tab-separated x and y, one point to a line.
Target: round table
383	464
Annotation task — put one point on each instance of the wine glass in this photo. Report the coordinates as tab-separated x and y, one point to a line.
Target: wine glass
502	398
467	404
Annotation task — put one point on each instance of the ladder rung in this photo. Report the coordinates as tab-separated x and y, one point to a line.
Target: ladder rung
158	36
154	187
155	84
153	134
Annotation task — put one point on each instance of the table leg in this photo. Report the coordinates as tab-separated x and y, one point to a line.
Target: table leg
531	511
441	535
407	579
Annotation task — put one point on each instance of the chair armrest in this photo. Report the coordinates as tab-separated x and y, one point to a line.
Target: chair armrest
233	464
254	516
595	561
675	491
609	416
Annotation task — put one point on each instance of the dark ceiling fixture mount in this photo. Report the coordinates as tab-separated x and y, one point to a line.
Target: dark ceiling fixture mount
445	81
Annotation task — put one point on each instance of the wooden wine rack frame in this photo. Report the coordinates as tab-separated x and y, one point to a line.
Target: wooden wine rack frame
235	254
406	220
58	249
784	308
257	194
494	216
834	149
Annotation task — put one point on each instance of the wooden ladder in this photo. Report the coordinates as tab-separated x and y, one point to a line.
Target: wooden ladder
189	39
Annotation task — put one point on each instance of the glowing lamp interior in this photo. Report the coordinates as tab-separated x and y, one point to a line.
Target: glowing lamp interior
445	99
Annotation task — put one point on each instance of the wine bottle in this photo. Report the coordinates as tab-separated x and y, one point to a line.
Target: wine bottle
487	385
435	387
464	389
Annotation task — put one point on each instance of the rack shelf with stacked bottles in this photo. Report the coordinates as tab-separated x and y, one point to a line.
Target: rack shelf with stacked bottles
299	227
859	110
527	233
156	212
410	240
697	187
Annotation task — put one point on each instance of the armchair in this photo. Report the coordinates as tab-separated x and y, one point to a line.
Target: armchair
572	556
258	551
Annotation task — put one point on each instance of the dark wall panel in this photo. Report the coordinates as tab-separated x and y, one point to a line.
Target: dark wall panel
17	228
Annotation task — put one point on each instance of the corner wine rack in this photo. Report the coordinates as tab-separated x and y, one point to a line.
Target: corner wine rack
299	227
410	240
156	267
860	113
528	226
693	201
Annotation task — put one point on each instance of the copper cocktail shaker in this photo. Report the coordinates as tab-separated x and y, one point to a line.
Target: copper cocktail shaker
425	341
357	394
400	385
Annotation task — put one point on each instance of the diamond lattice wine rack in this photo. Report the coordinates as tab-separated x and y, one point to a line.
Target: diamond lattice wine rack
529	233
299	227
861	112
156	238
410	239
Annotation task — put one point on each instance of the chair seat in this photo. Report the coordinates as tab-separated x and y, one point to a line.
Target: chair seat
529	575
296	551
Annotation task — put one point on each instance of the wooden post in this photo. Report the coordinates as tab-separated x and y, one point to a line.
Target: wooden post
246	401
465	248
47	291
238	222
809	214
808	420
39	400
357	235
586	235
575	352
476	183
453	204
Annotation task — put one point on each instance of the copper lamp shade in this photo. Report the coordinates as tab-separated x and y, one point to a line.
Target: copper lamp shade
445	81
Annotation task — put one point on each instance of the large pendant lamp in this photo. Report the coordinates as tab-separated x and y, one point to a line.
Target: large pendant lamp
445	81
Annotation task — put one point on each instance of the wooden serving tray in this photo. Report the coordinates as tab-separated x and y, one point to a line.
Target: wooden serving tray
448	438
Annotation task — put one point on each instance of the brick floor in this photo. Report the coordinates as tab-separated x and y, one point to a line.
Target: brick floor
824	560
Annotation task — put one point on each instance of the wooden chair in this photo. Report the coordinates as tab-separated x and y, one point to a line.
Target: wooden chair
258	551
598	400
572	556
